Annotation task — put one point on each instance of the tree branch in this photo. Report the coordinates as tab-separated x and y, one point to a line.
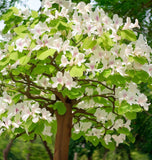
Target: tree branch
8	147
47	149
90	80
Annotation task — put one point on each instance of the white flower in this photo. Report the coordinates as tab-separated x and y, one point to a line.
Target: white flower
21	44
57	44
80	59
118	124
44	81
53	97
127	125
35	118
111	117
2	106
47	4
129	25
119	139
117	21
25	114
75	52
46	115
97	132
35	108
7	98
16	123
107	138
81	7
39	29
57	80
85	126
89	91
65	46
47	131
77	128
101	115
68	81
1	124
7	121
148	69
64	61
142	100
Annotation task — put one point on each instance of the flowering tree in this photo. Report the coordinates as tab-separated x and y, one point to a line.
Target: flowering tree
71	71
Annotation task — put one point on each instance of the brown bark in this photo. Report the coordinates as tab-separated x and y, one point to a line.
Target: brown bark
7	149
64	125
105	154
90	158
47	149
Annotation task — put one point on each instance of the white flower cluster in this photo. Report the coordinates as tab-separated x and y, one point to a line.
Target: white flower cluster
15	115
91	41
66	80
132	95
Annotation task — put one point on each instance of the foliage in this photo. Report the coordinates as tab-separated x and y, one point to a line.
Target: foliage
5	5
70	60
21	149
140	9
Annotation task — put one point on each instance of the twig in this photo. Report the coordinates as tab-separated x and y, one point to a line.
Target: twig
47	149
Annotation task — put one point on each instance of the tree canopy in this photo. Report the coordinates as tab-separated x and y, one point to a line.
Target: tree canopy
72	71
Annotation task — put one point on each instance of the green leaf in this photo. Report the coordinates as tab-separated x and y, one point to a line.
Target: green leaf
76	136
4	61
110	145
10	48
53	23
106	73
20	29
131	115
78	38
51	69
116	79
94	140
16	72
105	41
7	15
34	14
62	26
14	56
17	98
141	60
128	35
77	71
89	43
24	60
40	127
125	108
15	10
60	107
39	69
131	138
124	131
73	93
44	54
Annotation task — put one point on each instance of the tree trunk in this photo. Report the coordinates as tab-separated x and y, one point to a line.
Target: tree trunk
64	126
90	158
105	154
